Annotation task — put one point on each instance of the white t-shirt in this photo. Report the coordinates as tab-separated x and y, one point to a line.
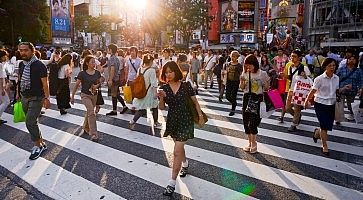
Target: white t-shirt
210	62
241	59
258	81
293	68
326	89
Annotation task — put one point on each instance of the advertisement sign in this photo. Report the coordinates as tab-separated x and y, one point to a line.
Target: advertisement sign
61	21
227	38
246	15
229	16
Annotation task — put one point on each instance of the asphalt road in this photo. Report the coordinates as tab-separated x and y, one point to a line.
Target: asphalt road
136	164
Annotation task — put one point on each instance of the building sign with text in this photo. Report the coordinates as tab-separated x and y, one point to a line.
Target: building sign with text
228	38
61	21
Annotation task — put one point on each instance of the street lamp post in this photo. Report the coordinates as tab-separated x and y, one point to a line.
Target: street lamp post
4	12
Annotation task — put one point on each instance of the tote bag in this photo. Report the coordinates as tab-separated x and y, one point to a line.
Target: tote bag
19	115
127	93
275	98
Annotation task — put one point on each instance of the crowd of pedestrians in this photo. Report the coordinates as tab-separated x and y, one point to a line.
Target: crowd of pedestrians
323	81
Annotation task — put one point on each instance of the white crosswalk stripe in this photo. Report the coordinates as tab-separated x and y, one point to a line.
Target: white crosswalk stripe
137	164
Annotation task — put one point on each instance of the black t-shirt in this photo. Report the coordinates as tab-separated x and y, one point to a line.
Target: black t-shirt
37	71
234	71
88	80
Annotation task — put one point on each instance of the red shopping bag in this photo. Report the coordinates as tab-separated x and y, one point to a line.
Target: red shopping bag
281	86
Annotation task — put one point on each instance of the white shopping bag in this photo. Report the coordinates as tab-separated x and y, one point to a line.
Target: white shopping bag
263	111
358	113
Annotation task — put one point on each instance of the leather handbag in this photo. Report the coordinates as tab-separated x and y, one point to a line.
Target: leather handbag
193	110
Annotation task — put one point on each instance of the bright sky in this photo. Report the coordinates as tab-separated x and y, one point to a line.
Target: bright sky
138	5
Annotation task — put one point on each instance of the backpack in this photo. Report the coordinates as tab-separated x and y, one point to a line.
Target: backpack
139	90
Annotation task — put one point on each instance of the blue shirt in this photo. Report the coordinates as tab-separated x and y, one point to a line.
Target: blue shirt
356	79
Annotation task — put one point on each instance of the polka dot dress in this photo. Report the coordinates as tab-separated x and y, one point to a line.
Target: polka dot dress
179	122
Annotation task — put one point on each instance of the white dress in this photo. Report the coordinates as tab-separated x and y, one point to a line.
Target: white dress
148	101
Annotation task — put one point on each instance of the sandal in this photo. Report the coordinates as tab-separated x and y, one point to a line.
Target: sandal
253	150
94	138
131	126
247	149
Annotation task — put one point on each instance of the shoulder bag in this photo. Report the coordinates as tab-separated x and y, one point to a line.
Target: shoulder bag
253	99
192	109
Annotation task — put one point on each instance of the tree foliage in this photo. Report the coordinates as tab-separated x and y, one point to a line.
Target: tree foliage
187	15
154	25
30	20
96	25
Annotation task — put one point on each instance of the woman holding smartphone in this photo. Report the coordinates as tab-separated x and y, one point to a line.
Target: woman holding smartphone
179	122
90	81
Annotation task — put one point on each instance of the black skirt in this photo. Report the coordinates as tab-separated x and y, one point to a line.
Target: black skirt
325	115
63	94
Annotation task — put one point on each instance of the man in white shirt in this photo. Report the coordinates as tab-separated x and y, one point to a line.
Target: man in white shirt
4	97
208	66
165	58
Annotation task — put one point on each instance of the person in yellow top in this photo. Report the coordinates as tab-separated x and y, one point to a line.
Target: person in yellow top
290	73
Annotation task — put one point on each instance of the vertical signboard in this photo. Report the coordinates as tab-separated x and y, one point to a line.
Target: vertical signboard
61	21
246	15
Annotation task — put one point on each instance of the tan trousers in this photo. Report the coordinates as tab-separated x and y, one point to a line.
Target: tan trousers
89	124
295	111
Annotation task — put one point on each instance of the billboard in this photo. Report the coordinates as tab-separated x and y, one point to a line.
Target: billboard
61	21
246	15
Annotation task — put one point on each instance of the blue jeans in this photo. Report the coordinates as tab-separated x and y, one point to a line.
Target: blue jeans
32	107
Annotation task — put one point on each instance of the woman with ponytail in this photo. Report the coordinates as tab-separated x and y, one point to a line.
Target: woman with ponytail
150	101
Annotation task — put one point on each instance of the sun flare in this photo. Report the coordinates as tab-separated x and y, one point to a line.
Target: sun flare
138	5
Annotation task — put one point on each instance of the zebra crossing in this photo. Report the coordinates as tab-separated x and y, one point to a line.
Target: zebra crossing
137	164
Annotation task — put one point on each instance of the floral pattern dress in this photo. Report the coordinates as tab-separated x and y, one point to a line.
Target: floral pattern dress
179	121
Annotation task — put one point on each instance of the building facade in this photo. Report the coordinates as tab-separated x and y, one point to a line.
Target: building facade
336	23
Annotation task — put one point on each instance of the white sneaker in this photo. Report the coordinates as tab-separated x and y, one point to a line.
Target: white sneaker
350	117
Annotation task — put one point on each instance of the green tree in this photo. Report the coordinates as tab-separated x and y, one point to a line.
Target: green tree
95	24
154	25
29	19
187	15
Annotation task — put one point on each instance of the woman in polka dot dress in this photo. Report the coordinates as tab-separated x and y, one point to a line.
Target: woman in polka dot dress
179	122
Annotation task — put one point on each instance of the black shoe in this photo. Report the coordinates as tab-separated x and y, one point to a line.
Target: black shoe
183	171
62	111
314	138
36	152
338	123
124	109
44	146
42	112
291	129
196	92
220	99
111	113
205	88
231	113
133	111
281	119
169	190
2	121
326	153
